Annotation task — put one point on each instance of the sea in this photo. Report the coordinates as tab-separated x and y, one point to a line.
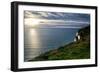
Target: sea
40	40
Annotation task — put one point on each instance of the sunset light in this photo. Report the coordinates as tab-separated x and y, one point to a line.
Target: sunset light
31	22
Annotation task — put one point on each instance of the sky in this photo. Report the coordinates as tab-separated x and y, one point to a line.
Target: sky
39	19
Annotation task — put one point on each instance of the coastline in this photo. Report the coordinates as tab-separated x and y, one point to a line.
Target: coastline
74	50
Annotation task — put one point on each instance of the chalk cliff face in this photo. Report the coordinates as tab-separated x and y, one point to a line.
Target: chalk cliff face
77	37
81	34
74	50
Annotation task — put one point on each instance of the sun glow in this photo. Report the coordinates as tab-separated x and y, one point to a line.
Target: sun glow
32	22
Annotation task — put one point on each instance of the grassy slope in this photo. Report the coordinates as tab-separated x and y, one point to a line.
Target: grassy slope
74	50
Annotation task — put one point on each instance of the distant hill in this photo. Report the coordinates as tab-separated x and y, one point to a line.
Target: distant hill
75	50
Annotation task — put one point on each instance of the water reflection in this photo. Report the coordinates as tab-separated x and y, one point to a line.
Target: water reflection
32	44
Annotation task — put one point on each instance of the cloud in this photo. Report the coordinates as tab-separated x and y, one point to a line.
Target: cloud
56	19
69	21
57	16
30	14
43	14
62	24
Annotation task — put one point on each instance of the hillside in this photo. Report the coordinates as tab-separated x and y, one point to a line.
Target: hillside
75	50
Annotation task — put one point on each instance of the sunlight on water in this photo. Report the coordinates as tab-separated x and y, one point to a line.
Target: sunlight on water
32	44
34	39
